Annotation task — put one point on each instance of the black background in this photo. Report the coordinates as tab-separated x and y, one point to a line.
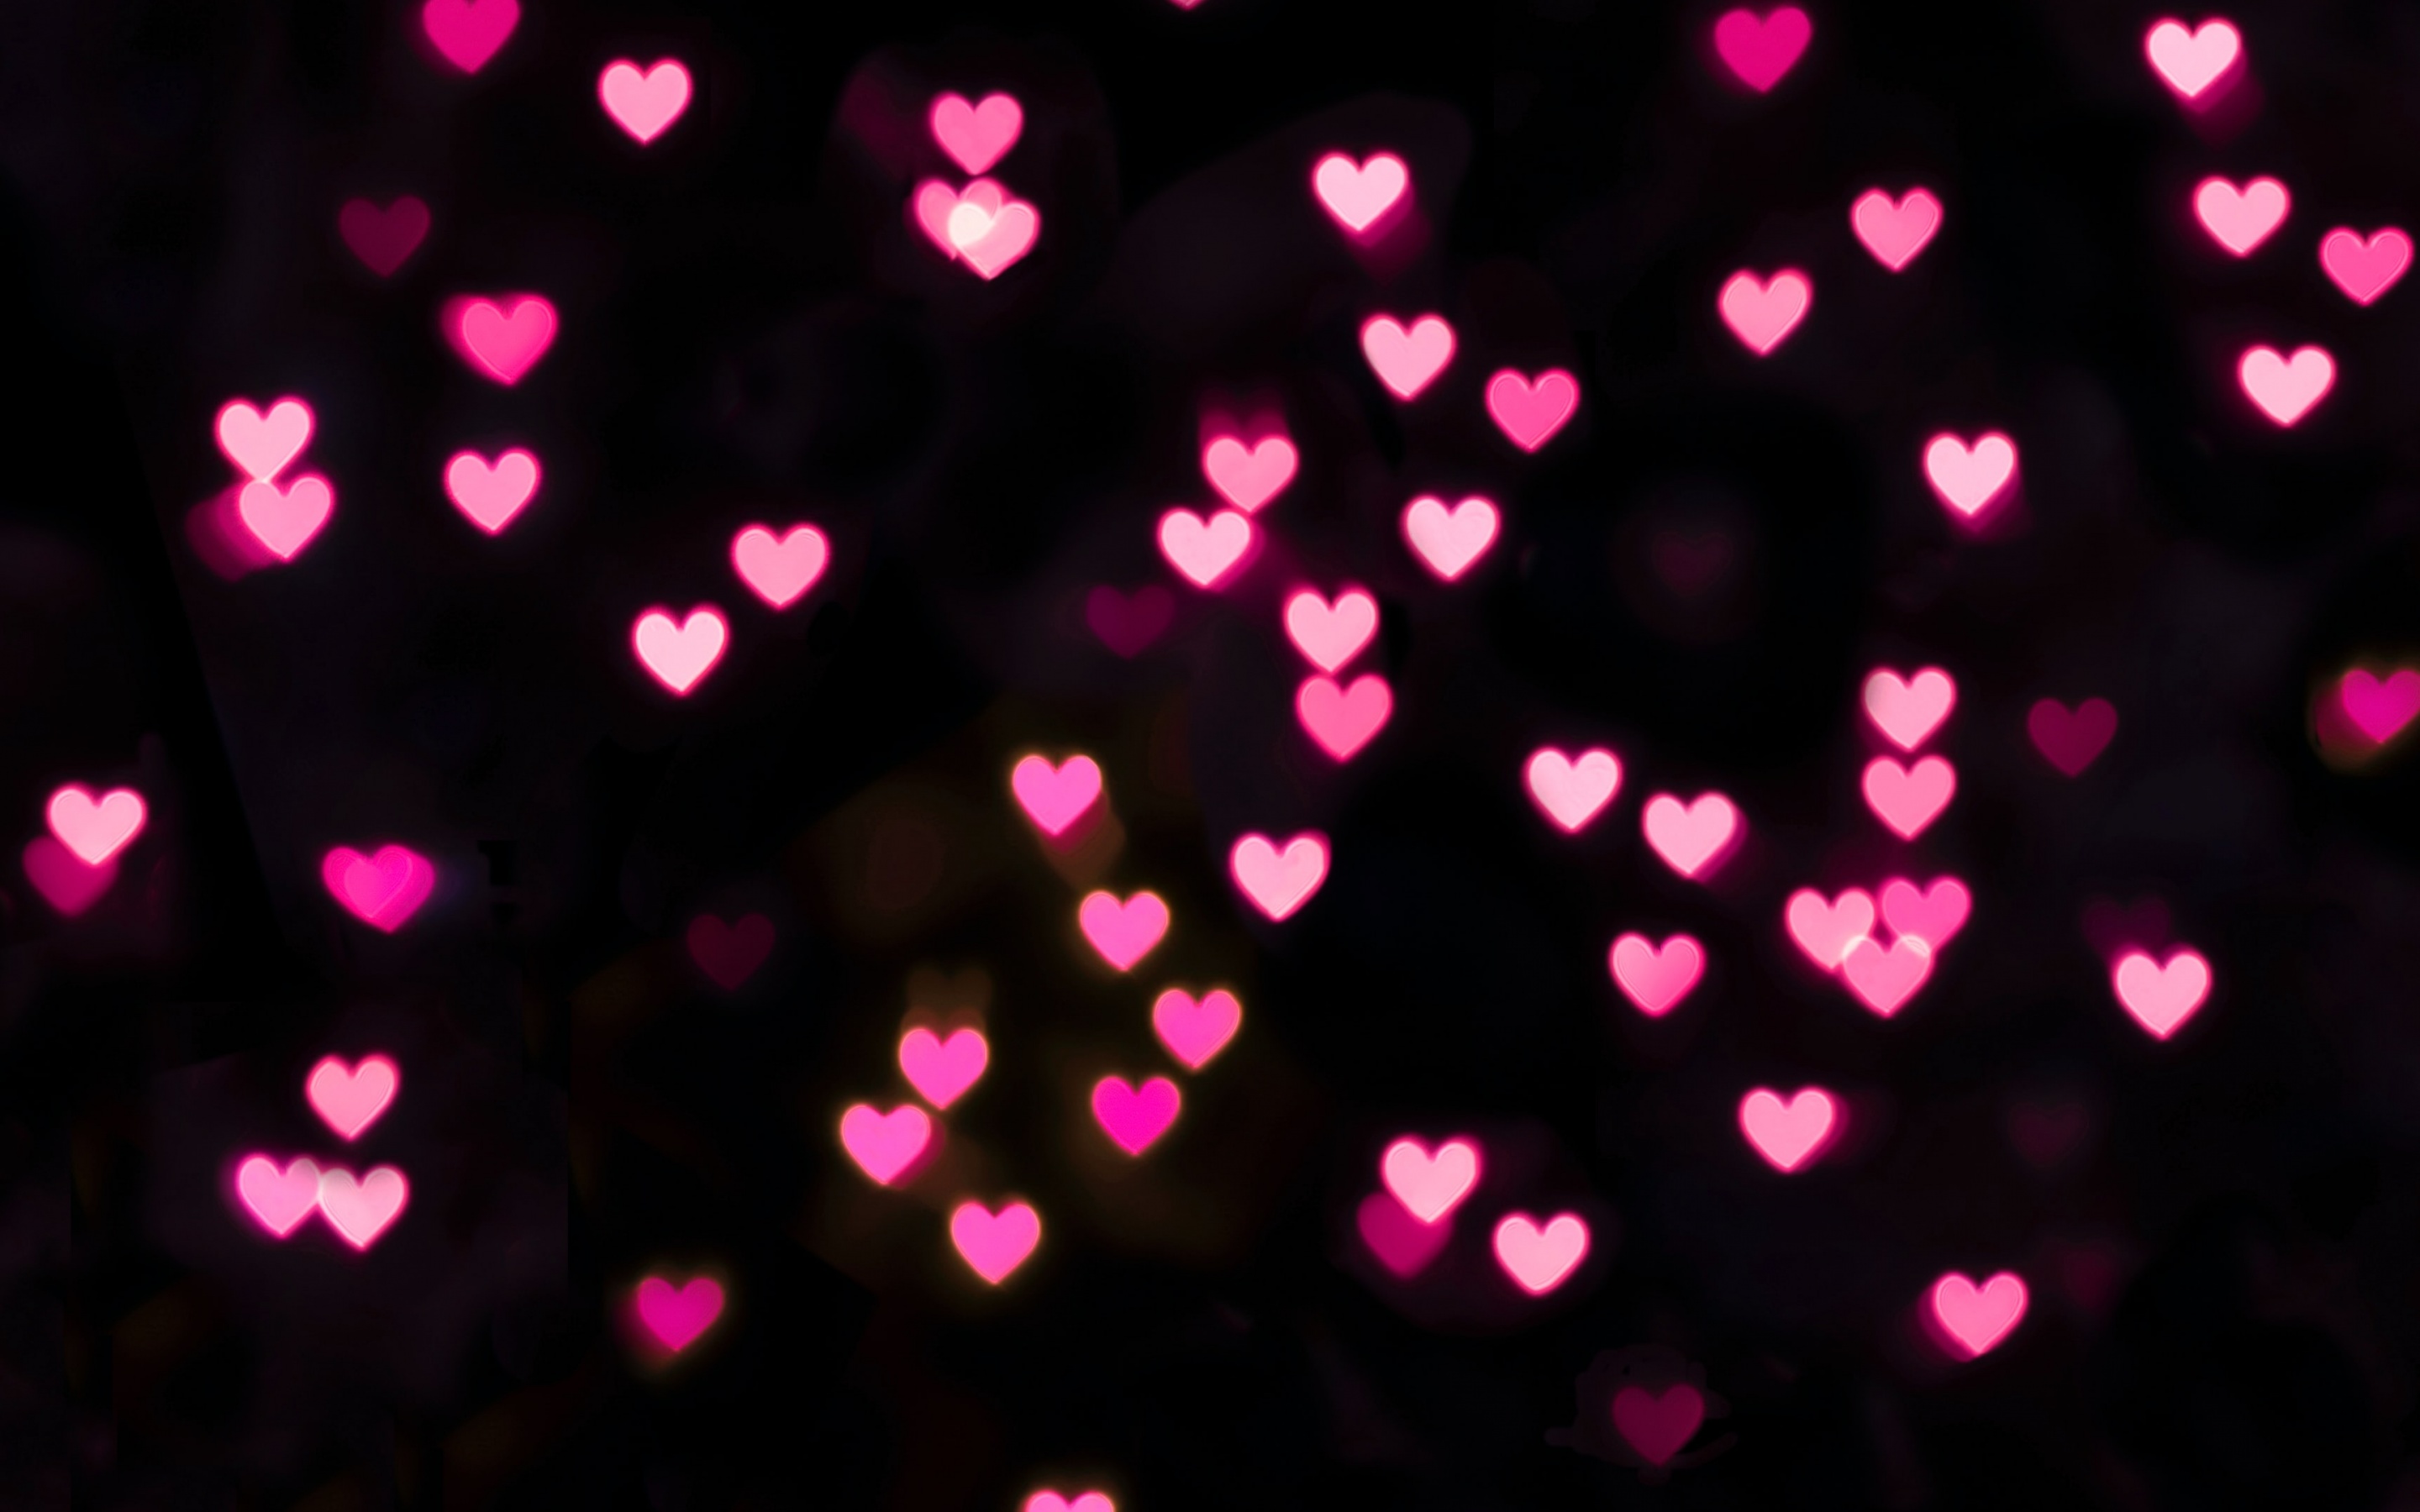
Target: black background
2225	1261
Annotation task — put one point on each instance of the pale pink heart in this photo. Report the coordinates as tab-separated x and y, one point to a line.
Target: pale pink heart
2240	219
1654	979
1968	478
2365	270
2379	708
1895	233
1339	719
1933	915
1825	930
467	32
1056	796
498	343
1693	837
1278	882
1134	1116
1978	1318
935	202
94	829
1195	1031
2071	742
1203	551
976	135
680	652
1086	1501
1788	1133
1570	792
995	1243
885	1144
382	890
1127	624
1530	411
942	1070
2160	997
729	954
382	239
2190	62
261	444
278	1200
779	568
1447	541
1659	1425
1909	710
1430	1185
1907	799
1358	194
1403	1243
1538	1260
1761	51
361	1210
1123	932
1884	979
644	103
285	520
1249	476
349	1099
2284	390
1761	315
992	241
1407	361
491	493
677	1315
1331	634
64	881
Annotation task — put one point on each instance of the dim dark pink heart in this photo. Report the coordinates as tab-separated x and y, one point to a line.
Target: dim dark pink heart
1127	624
384	239
467	32
64	881
1400	1240
1658	1423
2072	739
729	954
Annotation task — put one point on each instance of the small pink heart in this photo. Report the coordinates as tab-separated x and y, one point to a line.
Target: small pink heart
1339	719
1969	478
1761	315
1539	1260
278	1200
729	954
1907	799
1430	1185
1278	882
780	568
1249	476
1655	979
1330	634
995	1243
1978	1318
491	493
1933	915
467	32
2379	706
1358	195
1407	361
1055	797
382	890
1909	710
885	1144
286	520
942	1070
1204	551
1761	51
2190	61
1659	1425
1123	932
677	1315
361	1211
1530	411
2284	390
1447	541
349	1099
259	444
94	829
1570	792
382	239
1134	1116
678	652
2071	741
643	104
1826	931
1886	980
1692	838
64	881
2240	219
1895	233
1195	1031
1403	1243
498	343
976	135
1127	624
2162	997
1788	1133
2365	270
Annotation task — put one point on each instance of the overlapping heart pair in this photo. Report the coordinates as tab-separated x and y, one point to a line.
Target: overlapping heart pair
347	1099
1410	1220
980	223
75	863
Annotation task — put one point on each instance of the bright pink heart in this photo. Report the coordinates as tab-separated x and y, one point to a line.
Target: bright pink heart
1933	915
1907	799
1055	797
1331	634
942	1070
467	32
1691	837
1886	980
2189	62
382	239
1978	1318
2240	219
1788	1133
278	1200
1358	195
1530	411
1127	624
1342	720
64	881
986	227
1761	51
1659	1425
2379	708
1087	1500
361	1210
2284	390
1195	1031
1403	1243
349	1099
1407	361
1278	882
995	1243
680	652
885	1144
95	829
1134	1118
676	1316
2162	997
1123	932
729	954
1430	1185
261	445
934	202
1909	710
491	493
1538	1260
976	136
1762	315
780	568
1969	478
1570	792
498	343
1895	233
1447	541
643	104
1825	930
384	890
286	520
2365	270
2071	741
1249	476
1656	979
1204	551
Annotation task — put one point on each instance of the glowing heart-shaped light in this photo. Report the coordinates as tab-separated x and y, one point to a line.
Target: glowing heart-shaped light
1055	797
2071	740
1659	1425
262	445
467	33
1123	932
1342	720
1430	1185
1447	541
1539	1258
1278	881
643	102
779	569
1761	51
384	239
500	339
1403	1243
1571	792
1205	552
491	493
1978	1318
1195	1031
382	890
285	520
1825	930
1127	624
678	652
1909	710
1249	476
1884	979
729	954
360	1209
884	1144
1788	1133
2365	270
1407	359
2189	62
1692	838
1968	478
1907	799
942	1070
2286	389
934	202
1358	195
2240	219
2160	997
1331	634
1933	914
677	1315
1529	410
64	881
1134	1116
94	829
2379	708
1762	315
1895	233
1655	979
349	1099
976	135
1086	1501
994	1245
991	242
278	1200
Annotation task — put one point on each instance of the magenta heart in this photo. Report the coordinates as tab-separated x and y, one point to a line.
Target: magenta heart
499	343
2071	740
1342	720
1278	881
1761	51
1195	1031
1656	979
384	890
1124	931
1055	797
1249	476
1407	359
2045	1132
489	494
1895	233
1403	1243
994	1245
1789	1134
1658	1423
64	881
1135	1116
976	135
886	1145
643	102
1528	412
382	239
729	954
2114	929
1430	1185
94	829
361	1211
676	1316
942	1070
1127	624
349	1099
2379	706
780	568
467	32
2365	270
1976	1319
278	1200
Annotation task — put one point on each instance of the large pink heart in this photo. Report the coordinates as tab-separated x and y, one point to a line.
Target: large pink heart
1328	634
1528	412
2071	741
976	135
382	890
942	1070
1933	915
729	954
285	519
467	32
884	1144
2162	997
1447	541
262	445
1658	1423
1909	710
361	1211
1278	882
382	239
63	880
2240	219
1204	551
1895	233
1761	51
643	104
1055	797
1654	979
278	1200
2189	62
1884	979
2379	706
678	652
677	1315
2365	270
1570	792
1825	930
1134	1116
1762	315
1788	1133
995	1243
1692	838
349	1099
1407	359
498	343
94	829
780	568
1341	719
1978	1318
1907	799
1359	195
1123	932
491	493
1538	1258
2286	390
1249	476
1430	1185
1195	1031
1969	479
